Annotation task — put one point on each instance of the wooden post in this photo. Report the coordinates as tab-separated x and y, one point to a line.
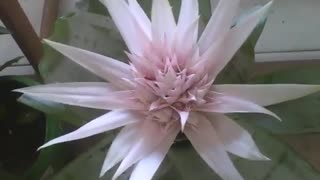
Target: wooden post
50	13
14	18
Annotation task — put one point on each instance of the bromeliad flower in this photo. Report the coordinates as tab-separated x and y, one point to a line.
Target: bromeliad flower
167	88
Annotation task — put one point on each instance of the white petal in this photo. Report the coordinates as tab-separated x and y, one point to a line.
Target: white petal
222	103
267	94
219	23
147	167
107	68
205	141
221	53
129	27
92	95
151	135
189	13
184	116
163	22
109	121
186	40
236	139
120	147
141	17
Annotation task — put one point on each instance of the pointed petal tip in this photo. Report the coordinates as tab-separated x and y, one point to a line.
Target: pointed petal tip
44	146
21	90
263	11
184	116
102	173
49	42
265	158
258	156
276	116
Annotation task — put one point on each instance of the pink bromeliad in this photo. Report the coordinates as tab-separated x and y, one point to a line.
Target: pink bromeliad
168	87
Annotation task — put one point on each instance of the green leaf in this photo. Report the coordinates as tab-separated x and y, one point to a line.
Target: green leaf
50	159
57	111
238	69
88	31
3	30
298	116
85	30
88	165
188	163
285	163
7	176
10	63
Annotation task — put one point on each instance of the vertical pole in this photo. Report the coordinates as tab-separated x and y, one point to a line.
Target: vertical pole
50	13
14	18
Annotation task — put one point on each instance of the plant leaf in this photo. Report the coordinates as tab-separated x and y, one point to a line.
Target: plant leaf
10	63
57	111
4	30
88	165
51	159
238	69
285	164
299	116
85	30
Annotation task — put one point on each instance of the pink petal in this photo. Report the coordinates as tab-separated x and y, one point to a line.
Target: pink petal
147	167
206	142
236	139
222	103
220	53
129	27
186	40
189	13
141	17
151	135
265	94
163	22
109	121
92	95
120	147
107	68
219	23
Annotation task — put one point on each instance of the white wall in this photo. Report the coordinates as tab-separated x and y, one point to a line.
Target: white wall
9	49
292	32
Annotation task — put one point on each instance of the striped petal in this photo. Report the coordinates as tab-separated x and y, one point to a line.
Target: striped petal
141	17
219	24
222	103
205	141
147	167
151	135
109	121
189	13
236	139
107	68
91	95
120	147
130	28
163	22
219	54
267	94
